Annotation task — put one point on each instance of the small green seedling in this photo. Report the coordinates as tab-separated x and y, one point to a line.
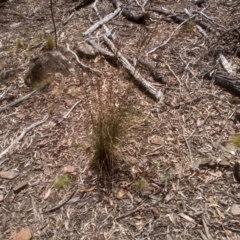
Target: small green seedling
50	42
62	182
19	43
141	184
235	139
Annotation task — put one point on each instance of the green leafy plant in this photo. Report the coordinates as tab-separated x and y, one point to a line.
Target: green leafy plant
62	182
235	139
50	42
141	184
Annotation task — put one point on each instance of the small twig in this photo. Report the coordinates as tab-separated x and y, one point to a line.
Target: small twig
128	213
206	228
65	116
23	133
3	94
166	42
174	74
81	64
188	146
21	99
54	25
60	204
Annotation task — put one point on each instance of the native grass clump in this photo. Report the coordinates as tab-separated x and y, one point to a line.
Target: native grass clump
62	181
141	184
109	122
19	43
235	139
50	42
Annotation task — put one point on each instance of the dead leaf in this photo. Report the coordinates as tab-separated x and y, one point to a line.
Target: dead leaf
8	174
24	234
47	194
157	140
1	197
200	122
186	217
235	209
132	160
68	169
120	193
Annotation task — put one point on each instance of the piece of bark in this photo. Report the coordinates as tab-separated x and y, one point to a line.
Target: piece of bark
20	186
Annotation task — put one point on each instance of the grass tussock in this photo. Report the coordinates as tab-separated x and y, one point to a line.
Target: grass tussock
50	42
62	182
141	184
109	121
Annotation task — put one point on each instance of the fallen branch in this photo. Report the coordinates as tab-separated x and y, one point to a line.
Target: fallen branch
157	76
137	76
65	116
171	35
23	133
81	64
81	4
60	204
102	21
21	99
128	213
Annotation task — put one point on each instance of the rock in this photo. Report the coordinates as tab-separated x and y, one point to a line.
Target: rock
20	186
8	174
86	51
235	209
49	63
24	234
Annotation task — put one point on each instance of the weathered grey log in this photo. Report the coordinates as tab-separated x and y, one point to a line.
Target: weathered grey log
223	80
81	4
131	15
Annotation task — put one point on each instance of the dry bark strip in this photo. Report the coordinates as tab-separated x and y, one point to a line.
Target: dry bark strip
137	76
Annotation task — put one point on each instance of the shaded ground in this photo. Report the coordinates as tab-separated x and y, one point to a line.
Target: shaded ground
175	179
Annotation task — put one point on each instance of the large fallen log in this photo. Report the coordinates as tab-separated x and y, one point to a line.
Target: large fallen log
225	81
130	14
